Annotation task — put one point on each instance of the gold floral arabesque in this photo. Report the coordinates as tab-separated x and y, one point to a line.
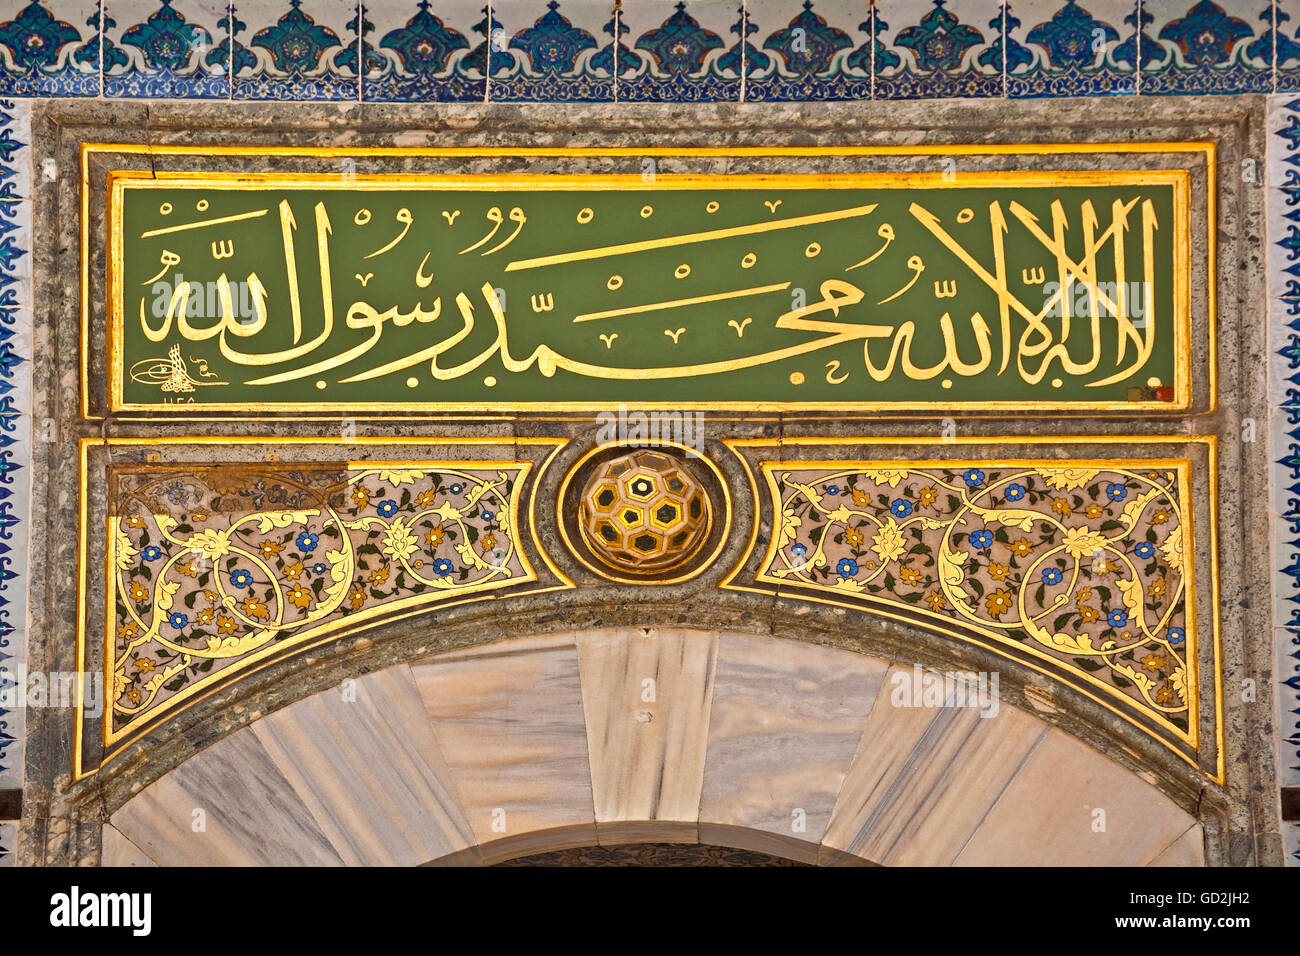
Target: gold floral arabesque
213	568
1081	564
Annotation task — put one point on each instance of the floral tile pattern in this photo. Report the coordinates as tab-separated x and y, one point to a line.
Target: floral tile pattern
1207	47
939	48
166	48
804	51
1283	236
687	51
50	48
218	567
15	429
427	54
1071	49
565	55
302	50
1079	564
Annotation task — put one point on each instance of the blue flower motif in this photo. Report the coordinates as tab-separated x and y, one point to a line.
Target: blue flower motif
1015	492
1177	635
488	516
318	568
799	550
1116	492
442	567
1117	618
1145	549
178	620
151	553
900	508
832	489
982	539
456	488
307	541
1051	575
973	477
386	508
240	578
847	568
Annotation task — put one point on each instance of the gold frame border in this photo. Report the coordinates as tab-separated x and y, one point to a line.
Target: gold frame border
1179	178
1185	469
408	607
607	573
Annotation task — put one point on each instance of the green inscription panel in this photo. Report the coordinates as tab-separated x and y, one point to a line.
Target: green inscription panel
862	292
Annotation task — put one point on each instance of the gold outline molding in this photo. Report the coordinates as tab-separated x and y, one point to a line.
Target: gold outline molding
1183	402
330	631
943	626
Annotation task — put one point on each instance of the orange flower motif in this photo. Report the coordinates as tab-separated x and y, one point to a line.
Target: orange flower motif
909	575
1160	516
1022	548
936	601
425	499
189	568
199	516
225	624
1085	594
1089	614
300	597
927	496
1157	587
144	665
1061	506
999	602
434	537
255	609
998	572
270	549
205	615
357	597
212	597
294	571
379	575
487	543
138	593
135	696
861	498
128	631
1153	662
1165	694
135	521
853	537
1093	511
360	496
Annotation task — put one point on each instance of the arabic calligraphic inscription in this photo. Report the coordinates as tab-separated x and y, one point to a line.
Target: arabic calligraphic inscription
864	291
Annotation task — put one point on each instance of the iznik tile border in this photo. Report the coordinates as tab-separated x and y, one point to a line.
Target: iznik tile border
666	50
15	430
1283	233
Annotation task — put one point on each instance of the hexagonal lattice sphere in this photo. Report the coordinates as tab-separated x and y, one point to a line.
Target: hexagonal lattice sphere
644	511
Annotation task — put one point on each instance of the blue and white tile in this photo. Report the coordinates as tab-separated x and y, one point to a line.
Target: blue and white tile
1206	47
15	429
1064	48
680	51
1286	46
808	51
162	49
8	844
302	50
430	51
1286	668
554	52
937	49
50	48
